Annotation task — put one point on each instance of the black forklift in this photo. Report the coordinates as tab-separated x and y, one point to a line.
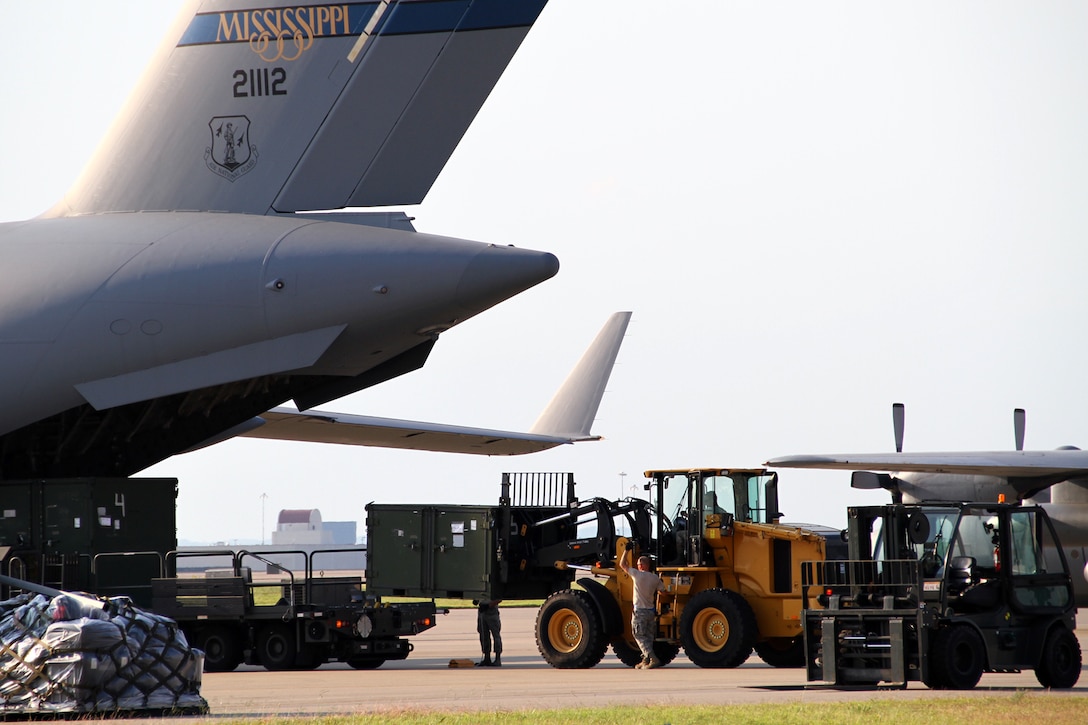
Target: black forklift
941	593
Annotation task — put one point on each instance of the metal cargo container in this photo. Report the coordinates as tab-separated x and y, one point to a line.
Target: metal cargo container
431	551
505	551
61	531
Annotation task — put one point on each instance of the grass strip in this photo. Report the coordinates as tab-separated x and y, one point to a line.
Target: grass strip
1016	709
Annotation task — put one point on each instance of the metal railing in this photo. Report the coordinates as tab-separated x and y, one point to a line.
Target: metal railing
104	589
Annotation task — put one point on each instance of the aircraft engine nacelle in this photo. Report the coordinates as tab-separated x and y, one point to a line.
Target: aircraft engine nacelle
1072	491
916	487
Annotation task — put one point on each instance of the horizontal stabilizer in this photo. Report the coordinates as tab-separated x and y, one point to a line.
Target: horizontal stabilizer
567	419
360	430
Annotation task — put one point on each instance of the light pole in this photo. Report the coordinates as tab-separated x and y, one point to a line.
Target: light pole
264	498
622	477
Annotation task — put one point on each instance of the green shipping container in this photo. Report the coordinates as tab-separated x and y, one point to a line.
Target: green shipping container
70	533
432	551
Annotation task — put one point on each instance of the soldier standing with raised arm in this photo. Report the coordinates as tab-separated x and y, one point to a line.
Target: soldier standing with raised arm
644	616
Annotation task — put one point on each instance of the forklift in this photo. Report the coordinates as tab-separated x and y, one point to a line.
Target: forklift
941	593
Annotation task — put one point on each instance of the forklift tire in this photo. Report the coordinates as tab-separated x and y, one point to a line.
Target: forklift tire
957	659
366	663
1059	665
569	633
631	656
782	651
221	646
276	647
717	629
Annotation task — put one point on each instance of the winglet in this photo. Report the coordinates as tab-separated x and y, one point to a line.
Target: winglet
571	411
567	419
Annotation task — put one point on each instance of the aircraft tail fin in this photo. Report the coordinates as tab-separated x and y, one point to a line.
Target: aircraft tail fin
571	411
269	106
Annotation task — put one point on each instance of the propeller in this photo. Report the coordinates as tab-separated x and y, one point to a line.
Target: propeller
1019	422
898	421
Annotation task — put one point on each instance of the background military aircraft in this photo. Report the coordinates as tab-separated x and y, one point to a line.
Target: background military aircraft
813	208
1057	479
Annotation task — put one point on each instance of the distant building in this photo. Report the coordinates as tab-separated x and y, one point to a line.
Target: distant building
300	542
300	526
304	526
343	532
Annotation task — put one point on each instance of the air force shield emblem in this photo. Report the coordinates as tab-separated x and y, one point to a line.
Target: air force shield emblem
232	153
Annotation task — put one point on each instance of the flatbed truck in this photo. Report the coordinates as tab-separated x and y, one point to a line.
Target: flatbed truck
117	537
312	620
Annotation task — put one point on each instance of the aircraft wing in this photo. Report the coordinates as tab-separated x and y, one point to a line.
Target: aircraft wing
361	430
1058	464
568	418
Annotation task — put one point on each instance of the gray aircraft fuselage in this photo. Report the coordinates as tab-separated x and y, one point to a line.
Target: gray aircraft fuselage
128	338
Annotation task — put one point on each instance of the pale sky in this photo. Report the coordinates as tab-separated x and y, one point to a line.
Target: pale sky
813	209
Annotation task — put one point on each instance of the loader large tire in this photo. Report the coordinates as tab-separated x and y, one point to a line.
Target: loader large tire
1059	665
782	651
569	633
957	659
631	656
717	629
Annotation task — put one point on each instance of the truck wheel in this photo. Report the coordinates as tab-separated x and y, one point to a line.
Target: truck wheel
782	651
310	656
366	663
1059	665
222	650
717	628
631	656
569	633
956	659
276	647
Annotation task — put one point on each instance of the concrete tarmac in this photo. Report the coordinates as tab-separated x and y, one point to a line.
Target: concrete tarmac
424	681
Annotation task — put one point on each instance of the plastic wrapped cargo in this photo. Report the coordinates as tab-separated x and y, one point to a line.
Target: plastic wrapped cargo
67	654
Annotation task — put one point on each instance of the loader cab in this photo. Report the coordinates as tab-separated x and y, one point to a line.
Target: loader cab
695	503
